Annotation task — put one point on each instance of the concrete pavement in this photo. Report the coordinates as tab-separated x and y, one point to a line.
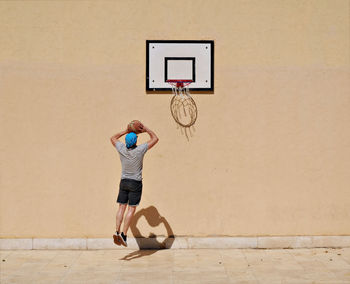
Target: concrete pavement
315	265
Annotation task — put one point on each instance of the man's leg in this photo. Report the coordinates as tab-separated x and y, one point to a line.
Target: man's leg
128	217
120	215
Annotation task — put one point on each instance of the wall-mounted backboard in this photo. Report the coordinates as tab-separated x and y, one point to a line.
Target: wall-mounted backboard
179	60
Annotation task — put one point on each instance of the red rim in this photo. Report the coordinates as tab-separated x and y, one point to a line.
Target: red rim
179	83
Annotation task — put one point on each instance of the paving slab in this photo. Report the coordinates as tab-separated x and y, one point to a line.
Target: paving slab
282	266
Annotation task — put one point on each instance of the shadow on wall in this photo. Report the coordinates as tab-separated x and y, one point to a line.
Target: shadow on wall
184	111
187	131
149	245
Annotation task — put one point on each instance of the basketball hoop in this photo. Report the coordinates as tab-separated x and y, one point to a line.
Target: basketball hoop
179	83
182	103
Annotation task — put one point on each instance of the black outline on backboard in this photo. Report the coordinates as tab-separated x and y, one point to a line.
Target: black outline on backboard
211	42
193	59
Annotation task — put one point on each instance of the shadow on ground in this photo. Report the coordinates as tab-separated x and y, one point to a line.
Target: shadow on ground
149	245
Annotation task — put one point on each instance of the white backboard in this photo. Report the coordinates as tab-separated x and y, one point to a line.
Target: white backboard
181	60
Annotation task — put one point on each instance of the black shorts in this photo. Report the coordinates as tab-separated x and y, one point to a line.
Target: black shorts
130	190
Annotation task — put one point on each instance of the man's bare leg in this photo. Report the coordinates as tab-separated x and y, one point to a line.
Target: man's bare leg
120	215
128	217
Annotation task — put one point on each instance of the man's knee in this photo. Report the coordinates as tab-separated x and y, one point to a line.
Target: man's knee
131	209
122	206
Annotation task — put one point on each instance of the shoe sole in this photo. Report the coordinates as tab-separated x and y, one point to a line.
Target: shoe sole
116	240
122	241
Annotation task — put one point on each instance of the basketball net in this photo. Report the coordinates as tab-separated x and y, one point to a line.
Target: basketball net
182	106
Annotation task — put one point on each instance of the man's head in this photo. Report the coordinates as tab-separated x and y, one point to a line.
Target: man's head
130	139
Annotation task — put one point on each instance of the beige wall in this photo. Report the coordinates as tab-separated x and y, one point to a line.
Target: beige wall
270	153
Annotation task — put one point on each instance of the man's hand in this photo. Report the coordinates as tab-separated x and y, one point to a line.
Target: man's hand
144	127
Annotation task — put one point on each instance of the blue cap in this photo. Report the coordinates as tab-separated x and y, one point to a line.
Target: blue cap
130	139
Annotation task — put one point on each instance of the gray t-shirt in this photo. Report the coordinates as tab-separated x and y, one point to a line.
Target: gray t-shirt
132	160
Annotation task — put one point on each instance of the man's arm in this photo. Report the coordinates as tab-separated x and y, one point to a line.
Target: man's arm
115	138
154	139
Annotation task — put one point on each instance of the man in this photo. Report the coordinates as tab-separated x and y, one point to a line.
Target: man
130	188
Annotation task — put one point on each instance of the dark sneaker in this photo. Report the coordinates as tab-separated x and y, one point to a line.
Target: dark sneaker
116	239
122	238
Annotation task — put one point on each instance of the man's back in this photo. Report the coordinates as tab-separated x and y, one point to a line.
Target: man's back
132	160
